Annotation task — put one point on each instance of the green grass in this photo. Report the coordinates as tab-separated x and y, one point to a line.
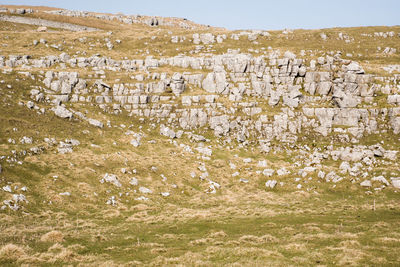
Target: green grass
343	222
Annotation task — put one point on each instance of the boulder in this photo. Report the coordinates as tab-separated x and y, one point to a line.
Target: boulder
293	98
205	151
268	172
135	142
134	181
354	67
145	190
177	84
344	100
166	131
62	112
323	88
207	38
153	21
366	183
186	100
289	55
395	124
380	179
325	117
111	178
395	182
42	29
220	125
275	96
271	184
96	123
216	83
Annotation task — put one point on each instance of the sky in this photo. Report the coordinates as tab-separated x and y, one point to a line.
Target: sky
248	14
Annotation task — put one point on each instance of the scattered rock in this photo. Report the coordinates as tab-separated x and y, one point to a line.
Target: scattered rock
145	190
271	184
395	182
42	29
165	194
135	142
134	181
111	178
7	188
96	123
62	112
380	179
366	183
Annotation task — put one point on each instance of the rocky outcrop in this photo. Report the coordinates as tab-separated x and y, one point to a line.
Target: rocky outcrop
46	23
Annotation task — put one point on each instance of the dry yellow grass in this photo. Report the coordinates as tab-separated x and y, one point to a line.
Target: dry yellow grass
254	240
53	236
11	252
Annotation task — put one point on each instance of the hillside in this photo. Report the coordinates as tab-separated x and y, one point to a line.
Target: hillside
136	140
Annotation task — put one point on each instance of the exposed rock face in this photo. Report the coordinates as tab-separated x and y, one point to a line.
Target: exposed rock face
126	19
277	81
46	23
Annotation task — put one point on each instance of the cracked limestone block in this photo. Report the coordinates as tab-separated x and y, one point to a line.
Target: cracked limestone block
62	112
177	84
216	82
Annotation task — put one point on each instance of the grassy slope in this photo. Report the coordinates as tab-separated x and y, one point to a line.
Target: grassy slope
242	223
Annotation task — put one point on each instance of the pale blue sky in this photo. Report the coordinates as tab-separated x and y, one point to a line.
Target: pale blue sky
248	14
